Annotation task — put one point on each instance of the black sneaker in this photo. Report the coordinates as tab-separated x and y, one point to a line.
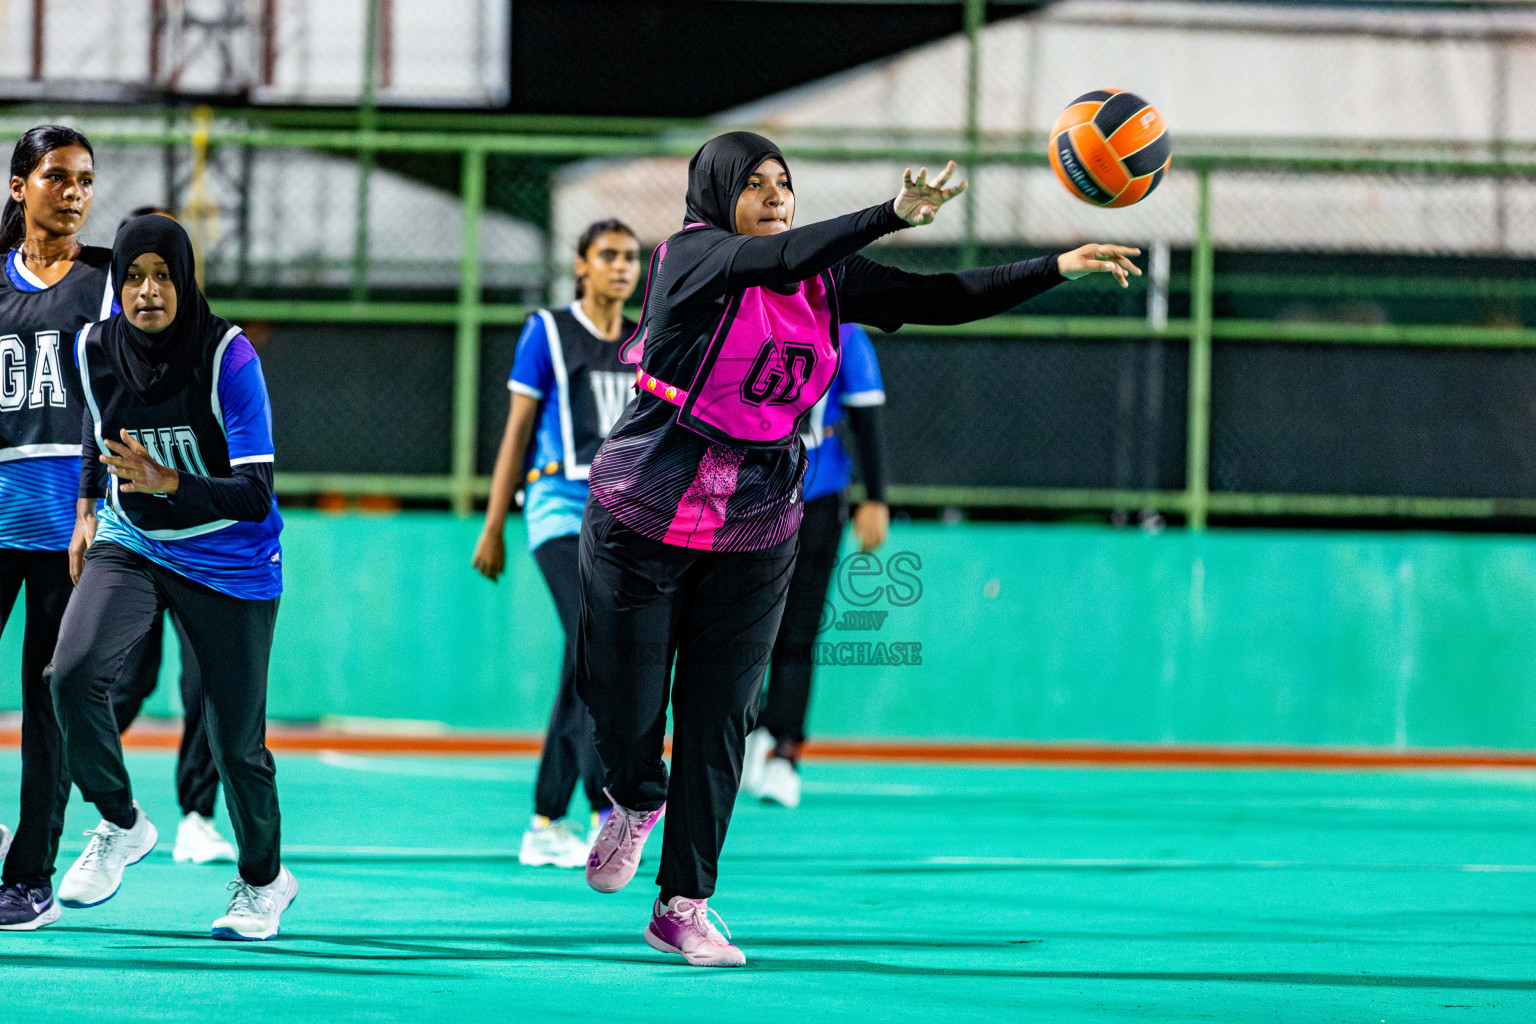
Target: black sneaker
25	908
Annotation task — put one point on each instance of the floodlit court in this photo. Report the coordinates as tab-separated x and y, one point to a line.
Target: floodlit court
898	891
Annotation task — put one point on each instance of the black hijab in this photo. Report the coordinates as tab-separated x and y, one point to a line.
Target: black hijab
157	366
719	171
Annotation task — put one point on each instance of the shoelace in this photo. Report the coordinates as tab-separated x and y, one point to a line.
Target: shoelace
698	920
103	838
17	895
247	900
633	822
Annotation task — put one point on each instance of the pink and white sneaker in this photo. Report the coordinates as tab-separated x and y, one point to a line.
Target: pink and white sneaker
683	926
616	855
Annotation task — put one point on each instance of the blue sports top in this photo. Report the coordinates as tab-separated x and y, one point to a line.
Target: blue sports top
38	491
241	559
857	384
563	362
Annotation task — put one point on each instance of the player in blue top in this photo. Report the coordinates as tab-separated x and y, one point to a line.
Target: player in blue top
568	389
197	780
177	414
51	287
770	768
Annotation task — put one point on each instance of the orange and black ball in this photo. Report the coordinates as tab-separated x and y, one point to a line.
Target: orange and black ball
1110	148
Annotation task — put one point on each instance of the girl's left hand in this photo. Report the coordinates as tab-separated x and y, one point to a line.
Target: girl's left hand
130	462
919	200
1097	258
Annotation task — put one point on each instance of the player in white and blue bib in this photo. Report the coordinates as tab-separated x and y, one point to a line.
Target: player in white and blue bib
176	411
771	762
568	388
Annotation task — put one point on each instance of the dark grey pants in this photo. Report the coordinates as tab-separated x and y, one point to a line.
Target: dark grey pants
570	746
44	782
717	612
789	679
114	606
197	780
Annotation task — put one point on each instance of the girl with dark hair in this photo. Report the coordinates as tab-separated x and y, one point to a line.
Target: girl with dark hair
569	386
52	286
177	413
689	541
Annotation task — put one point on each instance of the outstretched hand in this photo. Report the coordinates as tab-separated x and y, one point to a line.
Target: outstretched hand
919	200
130	462
1096	258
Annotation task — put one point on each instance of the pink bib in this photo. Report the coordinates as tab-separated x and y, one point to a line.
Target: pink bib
770	360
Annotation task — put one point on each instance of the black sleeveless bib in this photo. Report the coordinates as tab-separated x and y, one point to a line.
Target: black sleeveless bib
185	432
593	386
39	412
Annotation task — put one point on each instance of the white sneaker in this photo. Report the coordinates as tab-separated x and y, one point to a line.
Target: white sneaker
5	840
255	911
198	841
98	871
552	842
781	783
754	760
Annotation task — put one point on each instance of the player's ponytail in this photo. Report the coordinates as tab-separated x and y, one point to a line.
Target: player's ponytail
34	144
600	227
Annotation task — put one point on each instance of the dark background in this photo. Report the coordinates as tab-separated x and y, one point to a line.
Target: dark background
691	58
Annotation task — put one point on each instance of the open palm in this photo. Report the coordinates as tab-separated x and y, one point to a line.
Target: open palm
919	199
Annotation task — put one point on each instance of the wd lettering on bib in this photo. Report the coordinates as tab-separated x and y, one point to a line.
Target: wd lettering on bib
175	447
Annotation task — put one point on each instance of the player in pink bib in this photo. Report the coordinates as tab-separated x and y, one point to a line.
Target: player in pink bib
689	540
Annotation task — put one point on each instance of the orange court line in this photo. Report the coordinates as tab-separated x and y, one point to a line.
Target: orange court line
302	739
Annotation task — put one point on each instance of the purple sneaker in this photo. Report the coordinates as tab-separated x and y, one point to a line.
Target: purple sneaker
616	854
683	926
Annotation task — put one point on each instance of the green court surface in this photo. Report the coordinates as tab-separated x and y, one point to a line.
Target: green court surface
896	892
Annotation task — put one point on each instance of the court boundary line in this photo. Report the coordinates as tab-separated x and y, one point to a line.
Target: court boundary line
1130	755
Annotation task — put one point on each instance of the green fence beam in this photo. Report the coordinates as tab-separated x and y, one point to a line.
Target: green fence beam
399	485
1432	335
1197	459
367	117
1365	505
466	347
1063	498
1031	326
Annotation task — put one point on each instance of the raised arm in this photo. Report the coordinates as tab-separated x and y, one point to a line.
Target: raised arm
728	263
886	297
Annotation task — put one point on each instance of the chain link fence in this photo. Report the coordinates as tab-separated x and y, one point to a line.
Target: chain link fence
1364	321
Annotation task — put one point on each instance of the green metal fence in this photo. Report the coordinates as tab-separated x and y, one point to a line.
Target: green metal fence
472	142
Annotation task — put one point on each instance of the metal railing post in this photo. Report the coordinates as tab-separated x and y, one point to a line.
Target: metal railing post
975	19
466	347
368	119
1198	459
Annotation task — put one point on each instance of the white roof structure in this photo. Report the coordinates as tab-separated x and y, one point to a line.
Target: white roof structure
1265	77
303	221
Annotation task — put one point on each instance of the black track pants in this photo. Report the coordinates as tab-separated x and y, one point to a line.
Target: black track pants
44	780
570	746
197	780
789	679
718	612
119	596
